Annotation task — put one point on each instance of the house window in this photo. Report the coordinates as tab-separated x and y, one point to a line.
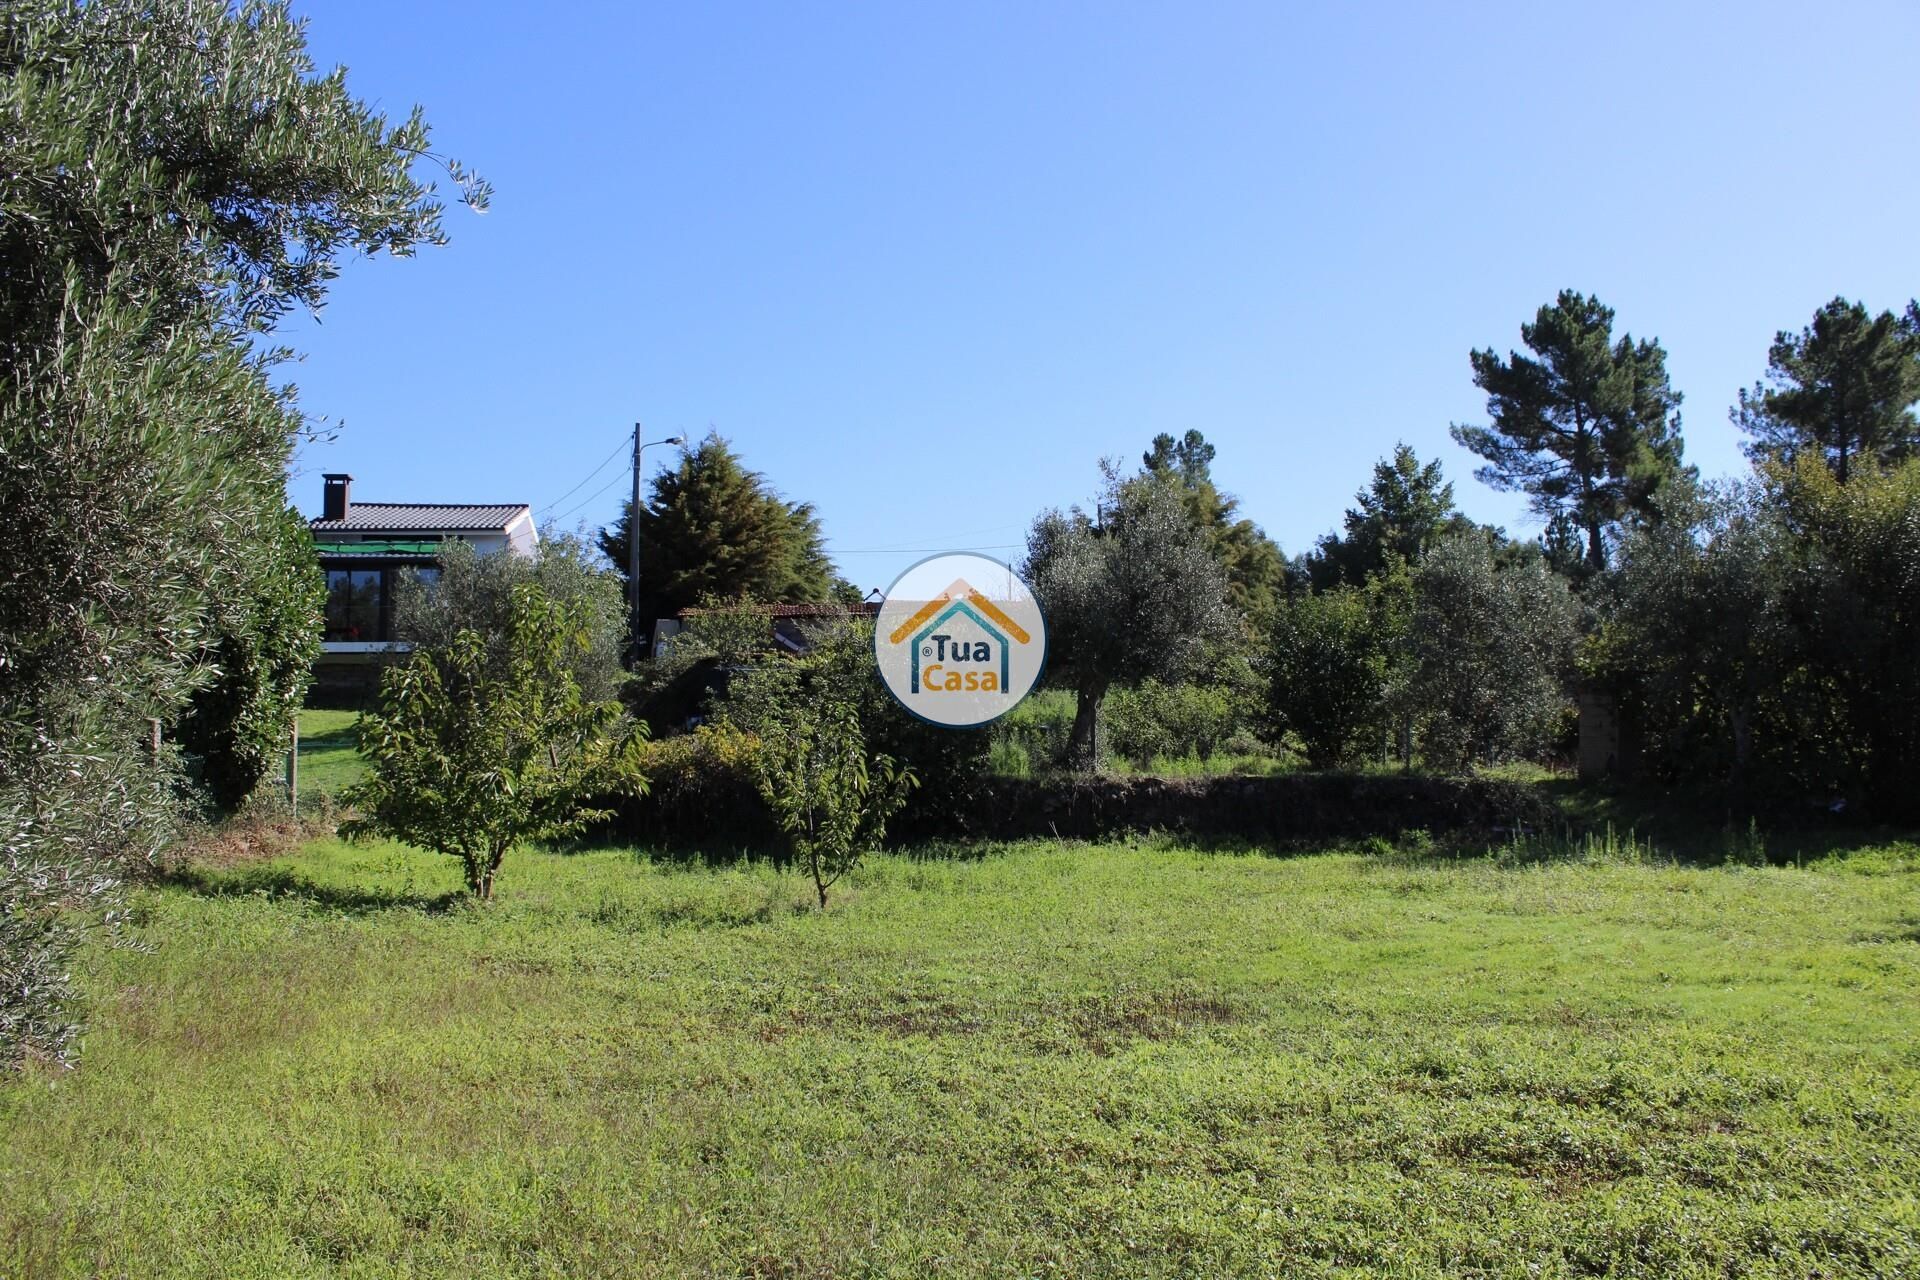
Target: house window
353	604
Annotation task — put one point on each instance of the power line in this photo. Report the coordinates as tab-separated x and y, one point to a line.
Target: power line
586	501
896	551
964	533
589	477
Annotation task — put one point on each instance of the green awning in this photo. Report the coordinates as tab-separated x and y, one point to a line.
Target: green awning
379	547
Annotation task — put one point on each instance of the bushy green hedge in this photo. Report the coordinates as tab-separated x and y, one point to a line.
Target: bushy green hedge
1153	719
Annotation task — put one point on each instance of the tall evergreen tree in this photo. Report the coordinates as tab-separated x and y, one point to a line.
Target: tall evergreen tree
1588	426
712	528
1254	567
1406	508
1844	387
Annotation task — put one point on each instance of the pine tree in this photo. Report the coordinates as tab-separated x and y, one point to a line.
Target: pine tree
1587	425
713	529
1843	387
1406	508
1255	569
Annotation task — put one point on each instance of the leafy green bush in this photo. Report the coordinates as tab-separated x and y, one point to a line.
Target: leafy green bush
1493	649
1037	730
262	662
702	787
829	794
487	743
1175	720
1329	672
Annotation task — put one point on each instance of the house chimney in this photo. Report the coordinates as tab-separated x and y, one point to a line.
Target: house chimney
333	502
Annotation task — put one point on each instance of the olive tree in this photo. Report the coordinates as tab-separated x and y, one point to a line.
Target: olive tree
1492	649
474	592
476	752
1132	593
178	177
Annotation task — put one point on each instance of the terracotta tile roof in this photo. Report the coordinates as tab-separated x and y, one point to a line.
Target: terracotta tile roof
422	517
865	610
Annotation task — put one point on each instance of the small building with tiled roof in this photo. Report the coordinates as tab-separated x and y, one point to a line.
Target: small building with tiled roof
364	548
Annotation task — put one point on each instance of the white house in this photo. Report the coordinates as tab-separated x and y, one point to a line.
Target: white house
365	546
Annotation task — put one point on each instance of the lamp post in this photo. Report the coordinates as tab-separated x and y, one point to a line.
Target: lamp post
633	540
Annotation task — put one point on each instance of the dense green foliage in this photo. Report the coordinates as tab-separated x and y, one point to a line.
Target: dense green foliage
1767	638
1843	388
1050	1059
266	634
1406	508
1159	720
1462	658
487	743
1328	668
474	592
1255	570
714	530
177	177
1136	595
1492	652
1589	427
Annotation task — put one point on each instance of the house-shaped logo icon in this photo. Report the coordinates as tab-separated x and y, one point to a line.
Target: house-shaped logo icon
958	656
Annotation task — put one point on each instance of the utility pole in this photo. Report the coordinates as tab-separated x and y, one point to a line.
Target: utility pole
639	642
633	555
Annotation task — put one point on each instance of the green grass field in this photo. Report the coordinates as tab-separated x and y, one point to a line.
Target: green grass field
329	753
1046	1060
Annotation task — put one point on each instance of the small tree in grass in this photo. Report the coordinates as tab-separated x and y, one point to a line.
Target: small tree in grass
477	748
825	790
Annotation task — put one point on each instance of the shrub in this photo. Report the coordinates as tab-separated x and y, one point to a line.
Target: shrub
261	662
827	792
1328	672
1493	648
702	786
1177	720
471	760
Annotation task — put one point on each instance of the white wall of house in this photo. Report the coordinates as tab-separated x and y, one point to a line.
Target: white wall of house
521	535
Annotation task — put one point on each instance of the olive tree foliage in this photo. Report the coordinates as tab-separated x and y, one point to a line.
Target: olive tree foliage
1492	652
488	742
826	790
176	178
1132	595
474	592
260	661
1767	641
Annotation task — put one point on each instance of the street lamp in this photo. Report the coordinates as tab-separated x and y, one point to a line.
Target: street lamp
633	538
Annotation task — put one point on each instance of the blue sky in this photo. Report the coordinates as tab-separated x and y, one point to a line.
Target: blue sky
925	264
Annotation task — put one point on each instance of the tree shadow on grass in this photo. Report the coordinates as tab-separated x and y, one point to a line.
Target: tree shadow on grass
284	884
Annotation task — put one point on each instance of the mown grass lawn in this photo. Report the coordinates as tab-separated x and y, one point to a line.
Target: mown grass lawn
329	751
1048	1060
